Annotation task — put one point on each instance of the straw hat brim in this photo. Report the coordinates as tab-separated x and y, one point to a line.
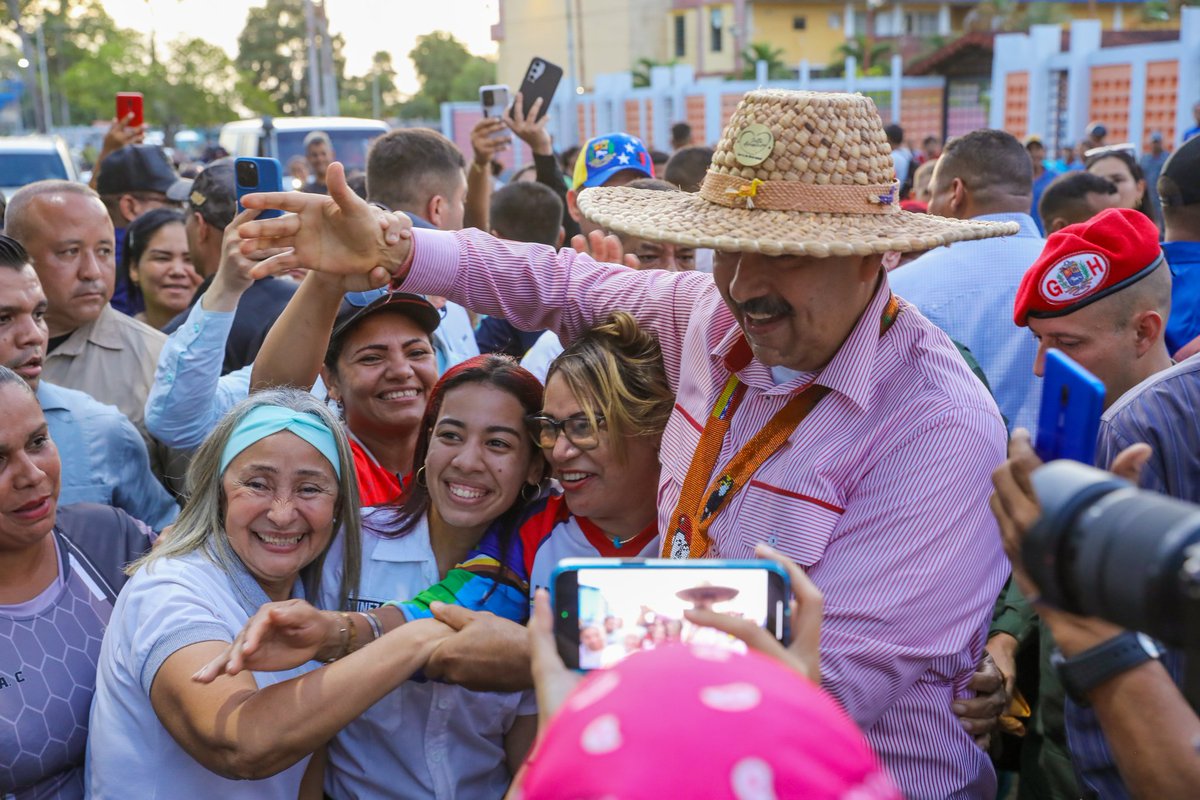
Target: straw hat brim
690	220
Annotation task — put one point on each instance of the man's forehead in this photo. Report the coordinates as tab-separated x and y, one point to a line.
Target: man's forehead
64	216
20	287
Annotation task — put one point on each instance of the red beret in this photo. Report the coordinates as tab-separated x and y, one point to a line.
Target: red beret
1082	263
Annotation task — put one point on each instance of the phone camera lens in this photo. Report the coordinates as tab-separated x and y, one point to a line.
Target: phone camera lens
489	97
247	173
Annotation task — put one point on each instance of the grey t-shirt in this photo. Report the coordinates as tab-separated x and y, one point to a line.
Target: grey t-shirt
48	651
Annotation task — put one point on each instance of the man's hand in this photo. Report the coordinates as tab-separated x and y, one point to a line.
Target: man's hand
487	654
338	233
607	249
280	636
804	653
1016	508
551	678
486	143
979	714
1188	350
530	130
121	134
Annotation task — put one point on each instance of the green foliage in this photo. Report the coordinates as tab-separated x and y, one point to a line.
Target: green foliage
761	51
643	66
273	55
447	71
359	93
871	56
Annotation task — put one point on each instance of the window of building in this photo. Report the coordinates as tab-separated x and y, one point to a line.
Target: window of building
860	22
885	24
716	31
921	23
835	22
680	36
799	23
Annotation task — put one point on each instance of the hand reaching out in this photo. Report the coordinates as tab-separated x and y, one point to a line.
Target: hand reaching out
607	249
530	129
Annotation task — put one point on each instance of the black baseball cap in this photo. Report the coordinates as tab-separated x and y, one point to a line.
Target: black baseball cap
141	168
1179	181
212	193
357	306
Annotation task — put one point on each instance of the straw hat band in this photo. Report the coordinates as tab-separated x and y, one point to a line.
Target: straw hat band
733	191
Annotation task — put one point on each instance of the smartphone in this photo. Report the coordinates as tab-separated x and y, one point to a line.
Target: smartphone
258	175
1072	402
541	80
494	99
606	609
130	102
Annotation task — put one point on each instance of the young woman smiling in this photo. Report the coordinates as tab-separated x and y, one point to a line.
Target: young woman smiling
478	469
158	265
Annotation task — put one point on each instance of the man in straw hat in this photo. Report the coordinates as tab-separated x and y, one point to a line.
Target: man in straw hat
814	409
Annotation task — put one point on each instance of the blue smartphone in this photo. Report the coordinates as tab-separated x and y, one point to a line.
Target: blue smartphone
1072	401
258	175
606	609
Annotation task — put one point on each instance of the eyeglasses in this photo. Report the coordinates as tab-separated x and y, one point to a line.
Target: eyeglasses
579	430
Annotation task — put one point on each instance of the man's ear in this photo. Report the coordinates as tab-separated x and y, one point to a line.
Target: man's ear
562	236
573	207
1149	331
434	210
128	205
958	196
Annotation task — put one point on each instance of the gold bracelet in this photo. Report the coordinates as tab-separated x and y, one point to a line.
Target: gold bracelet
353	633
343	637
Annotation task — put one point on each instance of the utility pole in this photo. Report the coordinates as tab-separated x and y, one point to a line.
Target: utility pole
45	79
314	65
571	128
329	89
39	111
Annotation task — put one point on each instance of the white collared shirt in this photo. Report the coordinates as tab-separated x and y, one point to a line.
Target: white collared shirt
425	739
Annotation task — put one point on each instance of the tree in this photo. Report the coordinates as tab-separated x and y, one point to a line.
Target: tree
762	51
373	94
447	72
869	54
273	54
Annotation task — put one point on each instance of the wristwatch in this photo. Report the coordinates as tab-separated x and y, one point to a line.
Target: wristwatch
1082	673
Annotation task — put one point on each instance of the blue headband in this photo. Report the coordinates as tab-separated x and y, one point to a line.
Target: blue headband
264	421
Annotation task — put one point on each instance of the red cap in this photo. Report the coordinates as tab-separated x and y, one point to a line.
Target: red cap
1082	263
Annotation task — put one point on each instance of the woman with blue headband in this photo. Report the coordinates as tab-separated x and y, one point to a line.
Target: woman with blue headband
267	491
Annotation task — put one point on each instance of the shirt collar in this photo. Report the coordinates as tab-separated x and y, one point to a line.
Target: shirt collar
1028	226
410	547
49	397
1185	251
104	331
250	594
850	373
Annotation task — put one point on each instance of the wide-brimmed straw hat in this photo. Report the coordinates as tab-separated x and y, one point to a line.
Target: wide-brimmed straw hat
796	173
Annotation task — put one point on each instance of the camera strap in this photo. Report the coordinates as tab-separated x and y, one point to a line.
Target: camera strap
701	501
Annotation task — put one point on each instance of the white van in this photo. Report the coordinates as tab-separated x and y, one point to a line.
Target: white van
283	137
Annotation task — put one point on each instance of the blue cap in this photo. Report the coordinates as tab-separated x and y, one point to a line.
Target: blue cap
605	156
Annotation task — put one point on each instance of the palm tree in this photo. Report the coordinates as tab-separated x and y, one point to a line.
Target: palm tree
865	50
761	51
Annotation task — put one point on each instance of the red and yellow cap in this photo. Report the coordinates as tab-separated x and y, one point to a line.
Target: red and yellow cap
1083	263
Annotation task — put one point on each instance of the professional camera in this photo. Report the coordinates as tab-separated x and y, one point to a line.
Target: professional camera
1104	548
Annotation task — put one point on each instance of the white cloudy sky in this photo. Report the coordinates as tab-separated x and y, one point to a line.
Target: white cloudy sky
367	25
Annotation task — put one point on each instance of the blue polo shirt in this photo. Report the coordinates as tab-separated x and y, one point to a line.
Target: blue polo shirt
1184	323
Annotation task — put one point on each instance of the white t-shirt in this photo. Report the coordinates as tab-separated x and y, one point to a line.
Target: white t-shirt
454	337
424	739
176	603
544	351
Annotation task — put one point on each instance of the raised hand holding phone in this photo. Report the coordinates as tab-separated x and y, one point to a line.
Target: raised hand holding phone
253	175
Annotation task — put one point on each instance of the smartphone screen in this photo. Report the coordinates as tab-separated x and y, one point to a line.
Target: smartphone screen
605	614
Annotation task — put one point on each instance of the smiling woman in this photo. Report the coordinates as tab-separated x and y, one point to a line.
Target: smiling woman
157	265
267	491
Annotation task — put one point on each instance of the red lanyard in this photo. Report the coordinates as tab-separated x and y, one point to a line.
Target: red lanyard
700	501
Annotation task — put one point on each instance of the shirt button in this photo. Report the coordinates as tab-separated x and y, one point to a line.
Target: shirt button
443	704
195	327
772	540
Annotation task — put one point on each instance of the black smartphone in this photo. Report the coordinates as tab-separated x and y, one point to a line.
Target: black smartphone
258	175
606	609
541	80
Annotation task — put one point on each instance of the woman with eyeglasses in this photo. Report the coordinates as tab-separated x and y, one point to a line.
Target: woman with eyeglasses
478	468
1118	164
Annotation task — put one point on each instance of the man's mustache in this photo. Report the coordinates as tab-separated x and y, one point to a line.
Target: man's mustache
766	306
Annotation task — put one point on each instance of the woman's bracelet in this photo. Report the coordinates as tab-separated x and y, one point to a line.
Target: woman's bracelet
353	637
344	637
376	626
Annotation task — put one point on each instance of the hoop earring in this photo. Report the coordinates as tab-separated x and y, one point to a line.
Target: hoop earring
537	490
420	477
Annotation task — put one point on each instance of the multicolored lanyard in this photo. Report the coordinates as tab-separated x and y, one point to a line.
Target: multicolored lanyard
701	502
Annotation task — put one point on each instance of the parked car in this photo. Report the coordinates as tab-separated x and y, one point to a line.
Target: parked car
25	159
283	137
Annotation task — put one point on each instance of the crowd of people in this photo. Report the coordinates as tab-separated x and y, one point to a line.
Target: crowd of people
282	498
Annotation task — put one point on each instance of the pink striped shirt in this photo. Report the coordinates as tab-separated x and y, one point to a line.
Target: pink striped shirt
881	492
